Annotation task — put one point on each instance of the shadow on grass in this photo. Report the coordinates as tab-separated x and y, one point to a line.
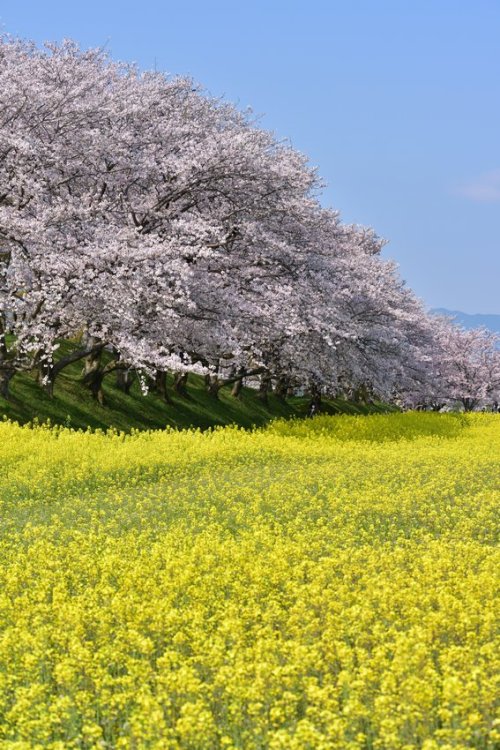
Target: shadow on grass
73	405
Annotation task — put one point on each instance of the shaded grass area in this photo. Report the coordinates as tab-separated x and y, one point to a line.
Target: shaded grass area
73	405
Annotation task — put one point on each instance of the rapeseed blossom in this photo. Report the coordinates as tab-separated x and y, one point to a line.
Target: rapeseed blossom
313	585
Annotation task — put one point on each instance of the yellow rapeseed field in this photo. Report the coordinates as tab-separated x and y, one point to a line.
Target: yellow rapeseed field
312	585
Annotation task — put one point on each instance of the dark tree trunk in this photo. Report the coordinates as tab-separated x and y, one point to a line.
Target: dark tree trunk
5	378
264	387
124	379
93	379
469	403
362	394
161	386
92	374
235	379
95	374
48	371
357	395
238	378
213	385
6	373
282	387
180	383
237	388
92	362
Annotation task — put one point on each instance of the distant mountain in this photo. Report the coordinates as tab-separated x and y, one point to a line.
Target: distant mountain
471	321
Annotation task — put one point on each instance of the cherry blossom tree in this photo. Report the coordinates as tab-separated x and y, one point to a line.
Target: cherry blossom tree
465	365
165	227
133	188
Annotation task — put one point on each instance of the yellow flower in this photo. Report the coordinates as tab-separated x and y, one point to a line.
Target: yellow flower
317	585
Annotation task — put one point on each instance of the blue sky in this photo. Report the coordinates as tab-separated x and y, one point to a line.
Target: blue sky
396	102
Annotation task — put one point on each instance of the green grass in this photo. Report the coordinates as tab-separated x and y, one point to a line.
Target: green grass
74	406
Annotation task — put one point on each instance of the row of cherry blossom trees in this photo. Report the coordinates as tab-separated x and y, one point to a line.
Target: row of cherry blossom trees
146	219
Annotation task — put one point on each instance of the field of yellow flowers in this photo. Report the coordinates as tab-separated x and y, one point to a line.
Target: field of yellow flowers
312	585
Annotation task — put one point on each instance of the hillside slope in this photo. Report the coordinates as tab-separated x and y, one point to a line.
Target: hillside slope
74	406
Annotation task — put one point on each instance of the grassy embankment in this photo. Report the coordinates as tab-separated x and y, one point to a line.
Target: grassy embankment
73	405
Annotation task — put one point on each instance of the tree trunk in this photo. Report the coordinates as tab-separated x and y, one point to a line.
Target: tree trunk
315	402
161	386
6	374
92	374
264	387
124	379
237	388
92	362
180	383
237	379
282	386
238	383
48	372
213	385
93	379
362	394
469	403
5	378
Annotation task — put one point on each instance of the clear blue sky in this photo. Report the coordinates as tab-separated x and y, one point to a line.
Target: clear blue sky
396	102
